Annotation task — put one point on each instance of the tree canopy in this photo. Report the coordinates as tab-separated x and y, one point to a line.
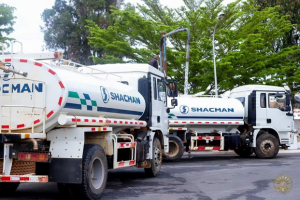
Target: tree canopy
6	22
64	26
246	41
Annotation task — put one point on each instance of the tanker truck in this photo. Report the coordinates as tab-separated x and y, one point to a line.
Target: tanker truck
254	119
69	125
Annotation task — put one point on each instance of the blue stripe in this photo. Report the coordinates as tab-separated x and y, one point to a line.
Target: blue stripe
183	117
114	110
73	106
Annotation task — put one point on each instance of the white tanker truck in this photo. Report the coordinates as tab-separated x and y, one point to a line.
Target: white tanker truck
255	118
70	126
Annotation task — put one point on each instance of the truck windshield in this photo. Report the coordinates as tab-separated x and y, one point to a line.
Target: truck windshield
276	102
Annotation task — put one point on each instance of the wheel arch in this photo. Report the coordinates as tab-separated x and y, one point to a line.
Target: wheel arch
270	131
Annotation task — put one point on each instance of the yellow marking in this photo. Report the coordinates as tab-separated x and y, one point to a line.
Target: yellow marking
27	135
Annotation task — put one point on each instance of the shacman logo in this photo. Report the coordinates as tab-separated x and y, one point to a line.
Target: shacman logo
184	109
105	94
283	184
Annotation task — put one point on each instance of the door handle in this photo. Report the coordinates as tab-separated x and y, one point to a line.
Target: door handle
158	119
269	121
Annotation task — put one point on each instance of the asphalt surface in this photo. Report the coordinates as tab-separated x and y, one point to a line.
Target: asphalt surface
204	176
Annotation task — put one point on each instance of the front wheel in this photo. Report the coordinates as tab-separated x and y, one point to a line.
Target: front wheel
156	160
176	148
267	146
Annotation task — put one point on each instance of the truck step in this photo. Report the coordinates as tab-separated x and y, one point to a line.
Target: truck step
203	148
209	138
123	145
24	179
126	163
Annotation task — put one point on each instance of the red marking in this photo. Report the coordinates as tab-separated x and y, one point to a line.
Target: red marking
5	126
121	122
207	138
199	122
50	113
229	122
236	122
126	122
51	72
61	84
122	145
24	178
200	138
55	55
36	121
216	148
93	129
201	148
38	64
108	121
183	122
104	129
20	125
78	120
132	162
141	123
93	120
191	122
23	60
179	128
86	120
5	178
214	122
222	122
131	122
121	164
206	122
176	122
101	121
217	137
7	60
136	123
60	100
73	120
115	122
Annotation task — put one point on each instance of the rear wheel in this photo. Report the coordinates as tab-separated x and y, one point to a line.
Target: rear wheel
94	174
8	188
267	146
244	151
176	148
156	159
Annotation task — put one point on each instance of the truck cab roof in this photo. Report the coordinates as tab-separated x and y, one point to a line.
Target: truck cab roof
250	88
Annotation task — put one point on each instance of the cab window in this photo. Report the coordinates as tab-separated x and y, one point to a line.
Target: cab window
161	88
276	102
242	100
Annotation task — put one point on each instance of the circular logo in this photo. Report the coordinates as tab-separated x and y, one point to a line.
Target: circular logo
6	74
105	94
184	109
283	184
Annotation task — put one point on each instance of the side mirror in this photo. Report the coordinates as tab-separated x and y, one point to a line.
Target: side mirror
174	102
173	89
278	95
297	98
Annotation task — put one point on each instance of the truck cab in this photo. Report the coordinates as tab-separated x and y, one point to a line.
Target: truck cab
267	110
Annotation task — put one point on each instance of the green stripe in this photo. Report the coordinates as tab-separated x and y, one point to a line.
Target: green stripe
94	103
73	94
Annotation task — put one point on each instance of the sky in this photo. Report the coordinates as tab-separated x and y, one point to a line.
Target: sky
28	22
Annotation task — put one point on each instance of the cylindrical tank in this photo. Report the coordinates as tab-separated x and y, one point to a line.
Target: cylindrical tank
207	109
60	90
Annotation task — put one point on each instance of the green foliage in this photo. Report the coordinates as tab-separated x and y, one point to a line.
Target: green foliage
64	26
6	22
244	41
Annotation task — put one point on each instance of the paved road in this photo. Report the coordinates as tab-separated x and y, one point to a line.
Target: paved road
205	176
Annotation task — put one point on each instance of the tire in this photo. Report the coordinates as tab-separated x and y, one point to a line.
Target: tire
176	148
244	152
8	188
267	146
94	174
156	160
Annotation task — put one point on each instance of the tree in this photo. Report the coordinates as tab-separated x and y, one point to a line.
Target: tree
6	22
244	41
64	26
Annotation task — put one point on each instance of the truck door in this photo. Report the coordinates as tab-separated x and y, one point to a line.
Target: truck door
159	117
276	116
261	112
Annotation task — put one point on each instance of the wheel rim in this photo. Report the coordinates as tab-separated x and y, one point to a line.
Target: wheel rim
97	173
157	157
267	146
173	148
